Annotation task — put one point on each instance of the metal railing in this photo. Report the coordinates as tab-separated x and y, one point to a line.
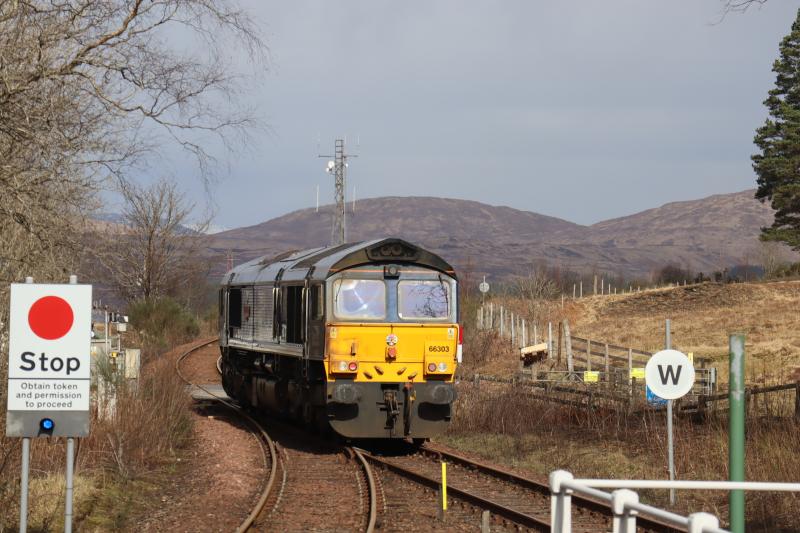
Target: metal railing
625	505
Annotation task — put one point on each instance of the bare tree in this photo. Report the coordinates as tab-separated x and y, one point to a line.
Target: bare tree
772	256
158	251
731	6
537	285
89	88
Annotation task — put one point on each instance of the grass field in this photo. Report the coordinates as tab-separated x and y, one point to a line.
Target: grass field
504	425
703	316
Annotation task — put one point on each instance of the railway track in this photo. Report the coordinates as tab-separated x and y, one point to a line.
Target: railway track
514	501
314	484
300	469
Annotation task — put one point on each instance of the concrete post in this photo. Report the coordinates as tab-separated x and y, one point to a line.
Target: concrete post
568	347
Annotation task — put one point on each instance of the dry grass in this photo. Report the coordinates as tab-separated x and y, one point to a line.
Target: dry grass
702	319
505	424
116	465
508	425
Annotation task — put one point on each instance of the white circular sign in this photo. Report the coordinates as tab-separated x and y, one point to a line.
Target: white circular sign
483	287
669	374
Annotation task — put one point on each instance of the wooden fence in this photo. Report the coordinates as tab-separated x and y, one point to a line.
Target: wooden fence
700	407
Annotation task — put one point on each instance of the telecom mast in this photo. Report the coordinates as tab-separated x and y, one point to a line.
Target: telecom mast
338	167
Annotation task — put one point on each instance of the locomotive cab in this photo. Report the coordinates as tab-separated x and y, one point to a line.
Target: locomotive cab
392	347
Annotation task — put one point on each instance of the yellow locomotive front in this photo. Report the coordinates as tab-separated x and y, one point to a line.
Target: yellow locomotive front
392	346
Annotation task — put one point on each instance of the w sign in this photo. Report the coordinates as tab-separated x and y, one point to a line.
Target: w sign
669	374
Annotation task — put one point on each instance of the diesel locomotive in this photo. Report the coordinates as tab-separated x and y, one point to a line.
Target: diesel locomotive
361	337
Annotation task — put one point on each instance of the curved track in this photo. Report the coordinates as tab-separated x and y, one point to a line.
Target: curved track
295	471
267	445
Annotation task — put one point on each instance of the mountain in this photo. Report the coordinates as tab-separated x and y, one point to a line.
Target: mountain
703	235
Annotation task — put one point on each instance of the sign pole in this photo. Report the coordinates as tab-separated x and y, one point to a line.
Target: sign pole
23	499
670	441
23	482
70	470
73	280
736	438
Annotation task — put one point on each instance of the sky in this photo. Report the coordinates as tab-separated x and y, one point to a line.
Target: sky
578	109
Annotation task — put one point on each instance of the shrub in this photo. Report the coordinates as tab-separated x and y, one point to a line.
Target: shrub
162	323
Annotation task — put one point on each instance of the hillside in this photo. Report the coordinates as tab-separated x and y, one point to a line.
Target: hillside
702	318
703	235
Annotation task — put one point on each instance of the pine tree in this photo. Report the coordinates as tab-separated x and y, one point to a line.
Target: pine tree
778	163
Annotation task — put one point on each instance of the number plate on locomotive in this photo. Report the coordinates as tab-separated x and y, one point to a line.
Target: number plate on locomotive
438	348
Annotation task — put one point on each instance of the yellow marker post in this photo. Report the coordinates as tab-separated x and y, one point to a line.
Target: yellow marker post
444	486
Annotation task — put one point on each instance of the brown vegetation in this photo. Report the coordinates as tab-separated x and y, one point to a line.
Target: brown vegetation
511	424
507	424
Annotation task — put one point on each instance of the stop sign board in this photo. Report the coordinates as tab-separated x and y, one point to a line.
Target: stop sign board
49	360
669	374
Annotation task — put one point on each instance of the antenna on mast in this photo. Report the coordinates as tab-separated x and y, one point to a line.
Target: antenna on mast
338	167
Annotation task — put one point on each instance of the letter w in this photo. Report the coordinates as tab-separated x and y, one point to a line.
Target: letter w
669	374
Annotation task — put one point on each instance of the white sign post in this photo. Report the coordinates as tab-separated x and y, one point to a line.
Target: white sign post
670	375
49	371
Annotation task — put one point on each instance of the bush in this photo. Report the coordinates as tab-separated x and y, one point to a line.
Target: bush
150	423
162	323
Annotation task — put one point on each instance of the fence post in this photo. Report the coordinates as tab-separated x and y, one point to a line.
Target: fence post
736	399
560	502
568	347
595	285
513	329
549	340
560	333
797	401
581	293
588	354
630	371
574	291
491	315
502	321
624	519
605	364
701	408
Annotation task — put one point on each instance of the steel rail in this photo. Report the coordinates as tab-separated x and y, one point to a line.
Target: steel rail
495	508
589	504
373	491
266	441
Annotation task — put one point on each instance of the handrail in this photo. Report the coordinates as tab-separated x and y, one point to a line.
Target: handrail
625	503
625	506
688	485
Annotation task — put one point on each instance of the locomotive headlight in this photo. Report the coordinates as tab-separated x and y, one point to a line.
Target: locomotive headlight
442	367
343	366
432	367
353	366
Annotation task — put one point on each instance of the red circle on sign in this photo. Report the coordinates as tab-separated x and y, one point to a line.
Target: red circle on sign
50	317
